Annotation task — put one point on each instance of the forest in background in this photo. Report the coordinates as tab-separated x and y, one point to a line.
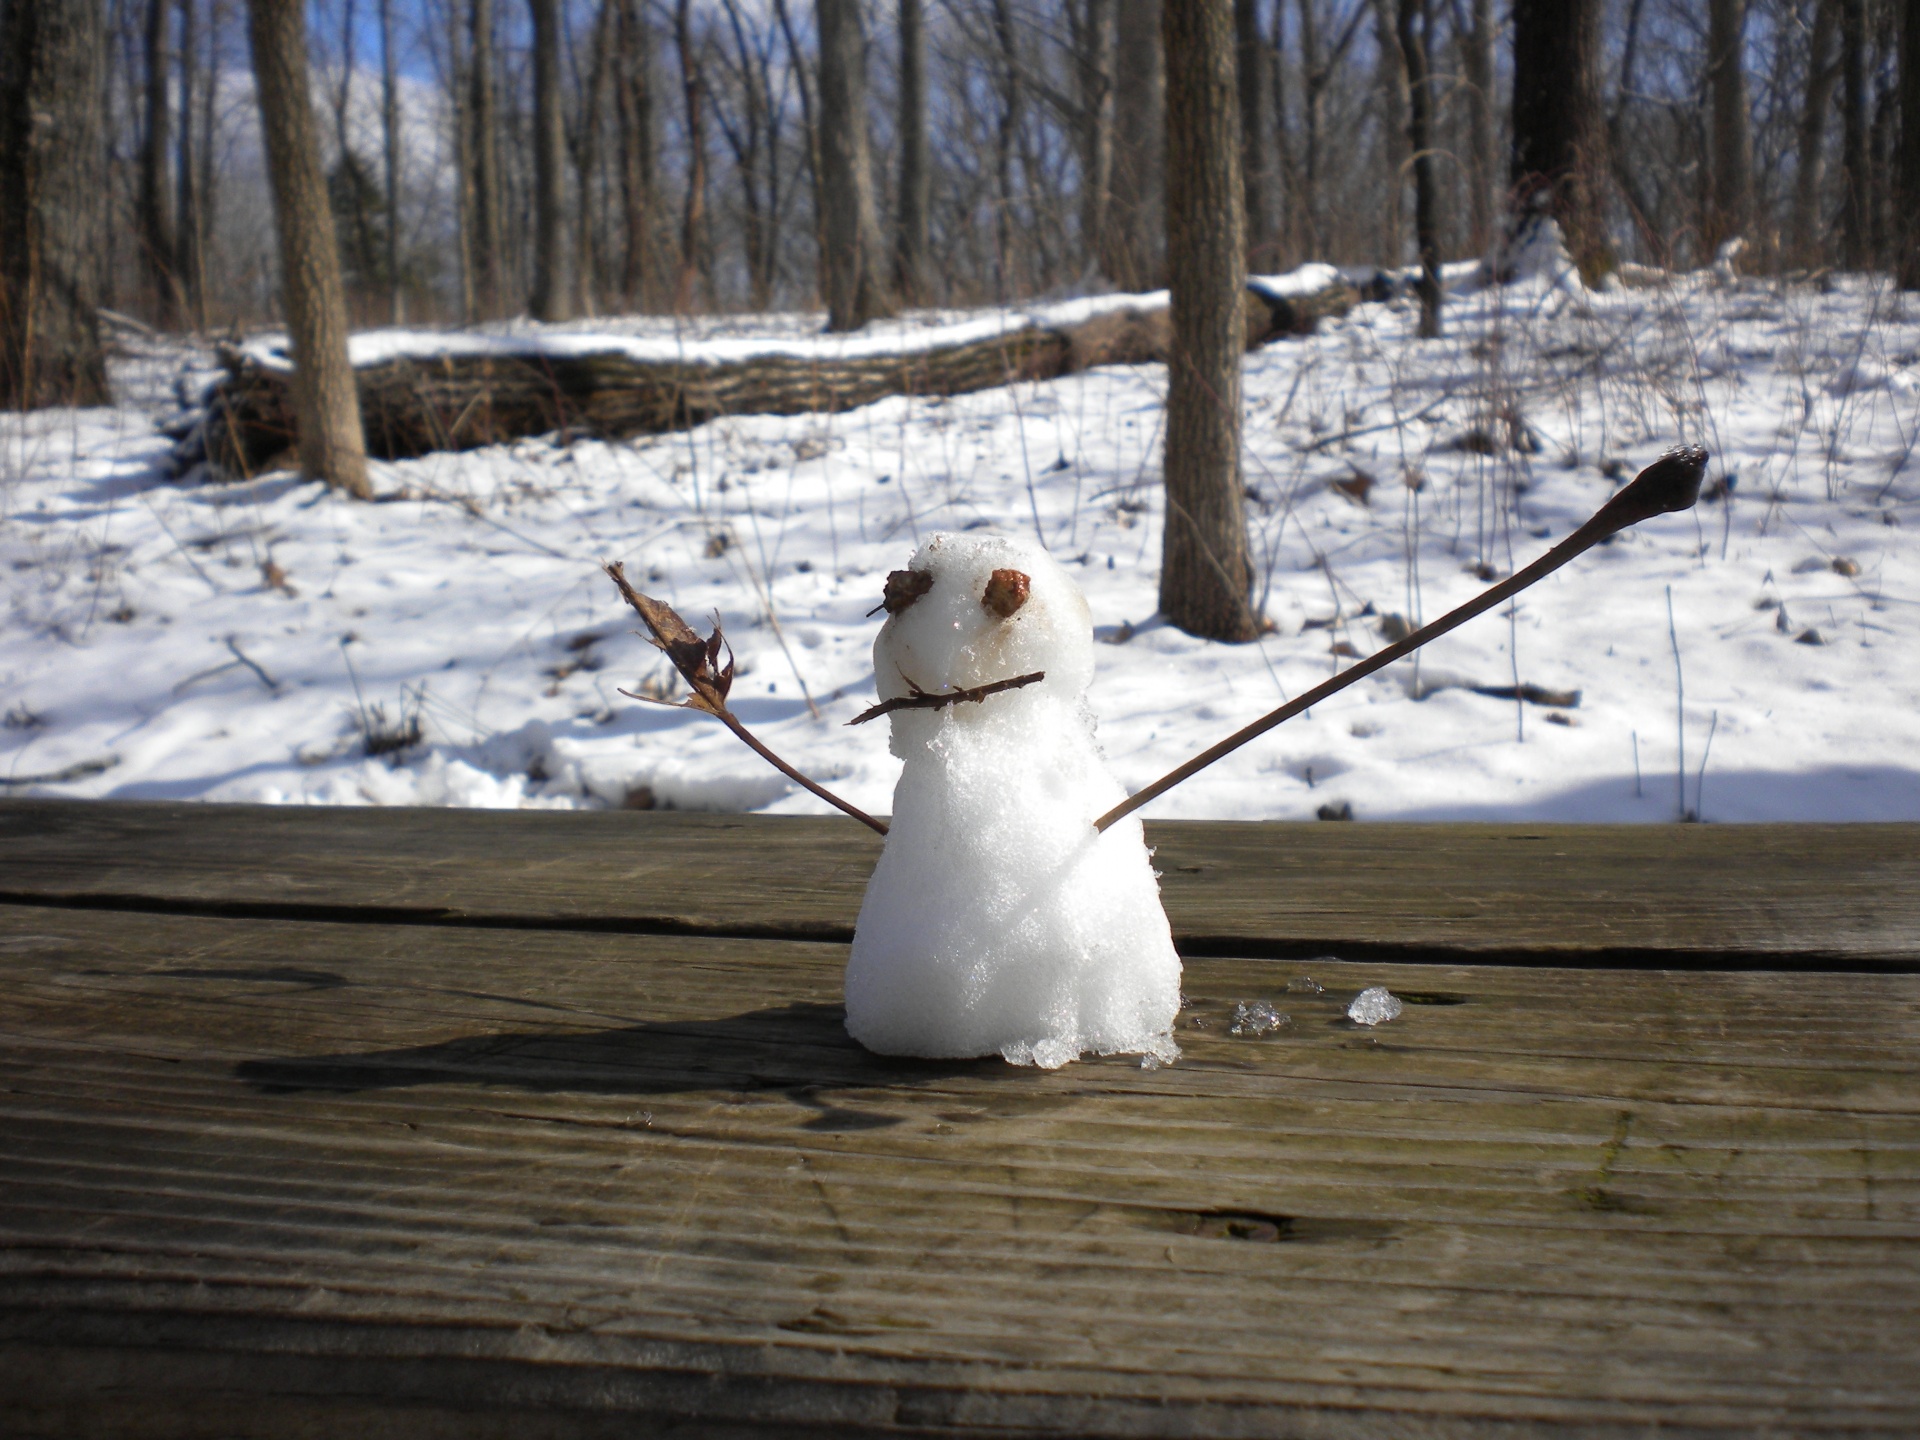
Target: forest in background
1016	145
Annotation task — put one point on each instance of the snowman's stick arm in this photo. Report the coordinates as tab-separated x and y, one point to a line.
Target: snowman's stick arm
696	660
1670	483
732	722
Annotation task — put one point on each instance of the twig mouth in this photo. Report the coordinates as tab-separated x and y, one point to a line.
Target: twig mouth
919	699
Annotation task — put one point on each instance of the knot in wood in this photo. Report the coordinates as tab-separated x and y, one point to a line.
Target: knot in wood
904	587
1006	592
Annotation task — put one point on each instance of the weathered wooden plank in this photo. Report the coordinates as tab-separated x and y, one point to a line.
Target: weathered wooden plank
1779	894
272	1177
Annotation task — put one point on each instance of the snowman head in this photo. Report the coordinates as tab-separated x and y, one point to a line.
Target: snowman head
972	609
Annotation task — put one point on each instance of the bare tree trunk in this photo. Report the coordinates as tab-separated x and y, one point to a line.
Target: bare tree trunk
332	447
1415	21
1823	73
390	131
1857	198
1391	79
1206	573
207	207
1907	262
1257	167
1559	128
157	245
1006	135
916	167
693	213
1313	90
52	55
1091	35
360	261
1476	60
1731	212
633	103
552	297
186	206
748	136
488	238
1136	226
856	279
586	162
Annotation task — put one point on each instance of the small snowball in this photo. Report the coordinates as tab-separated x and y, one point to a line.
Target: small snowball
1305	985
1374	1006
1257	1017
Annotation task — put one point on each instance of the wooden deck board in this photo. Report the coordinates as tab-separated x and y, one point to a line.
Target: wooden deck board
1847	895
329	1175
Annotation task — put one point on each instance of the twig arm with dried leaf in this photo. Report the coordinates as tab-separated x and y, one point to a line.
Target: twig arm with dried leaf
698	662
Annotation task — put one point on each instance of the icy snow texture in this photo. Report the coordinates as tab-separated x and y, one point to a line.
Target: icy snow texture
1257	1017
998	920
1374	1006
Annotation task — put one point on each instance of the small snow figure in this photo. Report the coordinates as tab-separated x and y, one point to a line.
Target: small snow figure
998	919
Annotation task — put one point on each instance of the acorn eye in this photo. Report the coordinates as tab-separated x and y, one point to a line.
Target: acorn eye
903	588
1006	592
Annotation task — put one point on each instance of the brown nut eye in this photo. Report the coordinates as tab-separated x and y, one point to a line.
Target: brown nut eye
904	587
1006	592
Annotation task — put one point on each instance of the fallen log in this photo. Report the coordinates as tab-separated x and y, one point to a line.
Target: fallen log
424	393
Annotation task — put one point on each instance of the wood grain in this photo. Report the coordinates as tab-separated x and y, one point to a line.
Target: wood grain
1805	896
288	1178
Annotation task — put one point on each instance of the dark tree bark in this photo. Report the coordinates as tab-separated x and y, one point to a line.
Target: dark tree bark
633	105
693	211
487	239
1856	207
51	153
207	187
187	226
1823	73
1006	138
1731	213
856	282
586	161
1559	127
1390	81
1907	262
1413	28
1090	25
552	295
916	169
1257	150
1476	63
325	402
390	133
1135	233
157	241
1206	572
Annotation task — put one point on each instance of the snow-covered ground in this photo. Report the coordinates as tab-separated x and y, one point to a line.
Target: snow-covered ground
185	639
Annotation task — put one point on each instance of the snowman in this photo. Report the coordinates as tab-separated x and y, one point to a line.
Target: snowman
999	920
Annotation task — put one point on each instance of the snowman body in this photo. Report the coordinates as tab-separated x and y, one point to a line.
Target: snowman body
998	920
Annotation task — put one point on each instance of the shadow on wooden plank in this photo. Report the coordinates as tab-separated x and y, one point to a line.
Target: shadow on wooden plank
779	1048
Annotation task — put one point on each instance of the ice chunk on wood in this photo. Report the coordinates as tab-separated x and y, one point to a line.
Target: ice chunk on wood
1374	1006
998	920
